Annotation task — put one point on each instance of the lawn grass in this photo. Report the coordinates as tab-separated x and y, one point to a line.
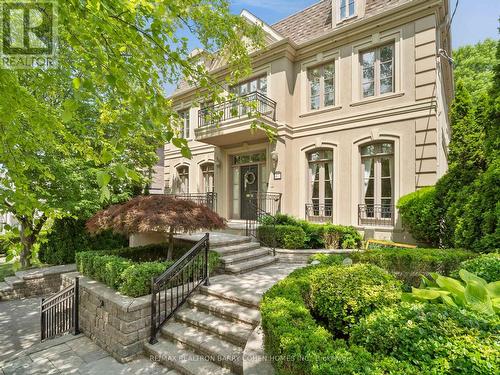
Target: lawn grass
5	270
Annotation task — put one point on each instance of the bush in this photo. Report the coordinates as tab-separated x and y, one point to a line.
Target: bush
486	266
436	338
125	269
340	295
327	259
419	214
286	236
68	236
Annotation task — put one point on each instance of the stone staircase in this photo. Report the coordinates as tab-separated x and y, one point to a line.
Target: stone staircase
241	255
207	335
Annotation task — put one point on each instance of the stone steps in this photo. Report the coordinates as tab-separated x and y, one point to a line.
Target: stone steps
177	357
252	301
235	333
225	309
235	249
250	265
244	256
219	351
13	281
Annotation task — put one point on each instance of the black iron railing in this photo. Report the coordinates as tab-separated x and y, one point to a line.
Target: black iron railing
245	105
319	212
208	199
376	215
172	288
59	313
264	207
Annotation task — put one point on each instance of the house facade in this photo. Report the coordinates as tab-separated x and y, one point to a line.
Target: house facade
358	93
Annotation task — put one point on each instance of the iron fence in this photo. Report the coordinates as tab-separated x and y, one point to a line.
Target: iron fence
207	199
319	212
376	215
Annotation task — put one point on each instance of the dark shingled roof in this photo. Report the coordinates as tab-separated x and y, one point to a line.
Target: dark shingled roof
317	19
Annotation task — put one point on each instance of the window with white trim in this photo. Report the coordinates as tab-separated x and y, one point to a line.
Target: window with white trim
207	171
347	8
185	125
377	71
183	175
321	81
377	163
321	182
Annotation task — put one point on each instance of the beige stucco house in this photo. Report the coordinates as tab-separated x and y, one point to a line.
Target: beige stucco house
358	91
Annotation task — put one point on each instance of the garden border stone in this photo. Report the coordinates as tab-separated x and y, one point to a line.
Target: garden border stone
302	255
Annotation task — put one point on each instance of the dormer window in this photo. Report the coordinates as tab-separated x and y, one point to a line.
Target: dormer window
347	8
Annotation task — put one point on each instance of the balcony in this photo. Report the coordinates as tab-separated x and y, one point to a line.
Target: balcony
376	215
319	213
230	122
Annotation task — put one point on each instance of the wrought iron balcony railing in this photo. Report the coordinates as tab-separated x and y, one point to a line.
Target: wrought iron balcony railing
319	212
376	215
236	108
208	199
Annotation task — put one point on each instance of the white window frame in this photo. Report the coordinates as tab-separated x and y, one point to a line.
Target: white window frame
347	4
205	171
377	70
180	175
185	117
322	95
321	199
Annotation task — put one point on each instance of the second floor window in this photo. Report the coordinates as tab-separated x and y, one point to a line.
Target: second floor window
377	71
256	84
321	86
185	128
347	8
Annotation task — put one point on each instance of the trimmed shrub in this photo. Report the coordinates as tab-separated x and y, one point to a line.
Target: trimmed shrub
486	266
340	295
327	259
286	236
68	236
436	338
125	269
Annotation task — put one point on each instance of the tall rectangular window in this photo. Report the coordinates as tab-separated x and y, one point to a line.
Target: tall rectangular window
347	8
321	86
321	180
377	71
185	127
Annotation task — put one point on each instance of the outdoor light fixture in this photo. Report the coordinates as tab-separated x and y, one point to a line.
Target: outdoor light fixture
274	158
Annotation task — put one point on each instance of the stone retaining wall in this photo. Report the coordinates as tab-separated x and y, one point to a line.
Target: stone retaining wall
302	255
117	323
35	282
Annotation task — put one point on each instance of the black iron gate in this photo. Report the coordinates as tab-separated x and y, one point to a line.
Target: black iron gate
59	313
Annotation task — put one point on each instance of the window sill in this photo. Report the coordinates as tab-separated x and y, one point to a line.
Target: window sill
377	99
346	19
320	111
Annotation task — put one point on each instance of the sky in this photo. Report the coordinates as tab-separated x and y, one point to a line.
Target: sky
474	21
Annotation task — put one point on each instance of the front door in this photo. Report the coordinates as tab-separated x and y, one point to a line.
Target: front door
249	185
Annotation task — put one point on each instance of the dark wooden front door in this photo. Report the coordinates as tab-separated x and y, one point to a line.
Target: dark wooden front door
249	185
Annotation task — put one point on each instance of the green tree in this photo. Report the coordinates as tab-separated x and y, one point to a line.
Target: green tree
81	134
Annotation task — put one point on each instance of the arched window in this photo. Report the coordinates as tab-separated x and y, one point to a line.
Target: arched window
320	183
183	174
207	171
377	164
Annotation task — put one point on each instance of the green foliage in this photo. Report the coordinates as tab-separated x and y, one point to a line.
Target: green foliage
68	235
435	338
286	236
419	214
486	266
474	293
327	259
341	295
129	270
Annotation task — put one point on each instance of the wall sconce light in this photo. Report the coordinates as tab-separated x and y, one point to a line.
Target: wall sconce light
274	158
217	162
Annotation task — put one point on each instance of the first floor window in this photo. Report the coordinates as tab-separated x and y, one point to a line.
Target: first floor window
377	71
377	180
321	182
208	177
183	174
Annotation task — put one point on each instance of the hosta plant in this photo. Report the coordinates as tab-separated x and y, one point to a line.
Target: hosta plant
472	292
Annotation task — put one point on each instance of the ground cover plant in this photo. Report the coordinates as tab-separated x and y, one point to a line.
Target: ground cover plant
129	270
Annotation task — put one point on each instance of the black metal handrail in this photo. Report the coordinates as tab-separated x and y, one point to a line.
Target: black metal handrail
264	206
376	214
242	106
173	287
208	199
319	212
59	312
268	202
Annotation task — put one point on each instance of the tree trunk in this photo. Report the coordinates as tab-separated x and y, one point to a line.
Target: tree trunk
27	245
170	252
